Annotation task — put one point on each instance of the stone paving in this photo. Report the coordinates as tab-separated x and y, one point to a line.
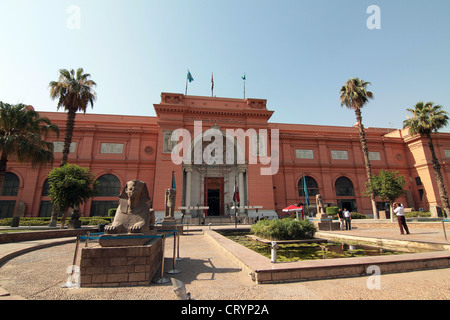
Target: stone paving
210	274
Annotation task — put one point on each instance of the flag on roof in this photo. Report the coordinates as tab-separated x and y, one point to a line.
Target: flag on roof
189	76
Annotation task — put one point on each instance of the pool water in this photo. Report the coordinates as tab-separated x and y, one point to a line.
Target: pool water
308	251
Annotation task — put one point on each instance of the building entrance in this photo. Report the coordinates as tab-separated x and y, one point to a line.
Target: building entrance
214	196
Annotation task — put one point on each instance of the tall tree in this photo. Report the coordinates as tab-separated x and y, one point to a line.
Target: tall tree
74	92
21	133
387	185
425	119
354	95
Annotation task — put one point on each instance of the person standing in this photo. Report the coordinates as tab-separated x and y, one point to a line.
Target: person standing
348	219
341	218
400	212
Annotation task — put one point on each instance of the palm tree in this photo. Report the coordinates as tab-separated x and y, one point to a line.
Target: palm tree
74	92
21	130
354	95
428	118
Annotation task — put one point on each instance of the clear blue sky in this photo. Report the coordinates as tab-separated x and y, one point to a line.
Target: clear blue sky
296	54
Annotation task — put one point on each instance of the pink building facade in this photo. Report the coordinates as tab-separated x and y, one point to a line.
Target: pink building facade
219	147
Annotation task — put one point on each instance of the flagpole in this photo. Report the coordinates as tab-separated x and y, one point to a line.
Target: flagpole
185	92
304	193
244	77
212	84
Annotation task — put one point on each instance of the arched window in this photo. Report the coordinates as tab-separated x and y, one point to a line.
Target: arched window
311	187
10	189
45	188
10	185
108	191
344	187
108	186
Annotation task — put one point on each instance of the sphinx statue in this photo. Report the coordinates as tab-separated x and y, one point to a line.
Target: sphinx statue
134	215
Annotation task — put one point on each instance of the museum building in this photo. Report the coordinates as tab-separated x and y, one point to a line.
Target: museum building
228	150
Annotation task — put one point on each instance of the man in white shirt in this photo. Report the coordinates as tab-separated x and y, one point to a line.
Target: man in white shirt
400	212
348	219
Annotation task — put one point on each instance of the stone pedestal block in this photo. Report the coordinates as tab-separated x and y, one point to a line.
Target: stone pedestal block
329	225
120	266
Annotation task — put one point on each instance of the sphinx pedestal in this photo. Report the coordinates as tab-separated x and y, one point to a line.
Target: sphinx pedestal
120	266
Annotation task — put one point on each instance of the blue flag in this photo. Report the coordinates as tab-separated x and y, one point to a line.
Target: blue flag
305	189
173	180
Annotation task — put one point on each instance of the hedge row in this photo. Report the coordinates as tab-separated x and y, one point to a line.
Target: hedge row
45	221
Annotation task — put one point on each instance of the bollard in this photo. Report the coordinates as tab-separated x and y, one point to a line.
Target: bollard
70	284
178	247
174	260
443	226
162	280
274	252
87	240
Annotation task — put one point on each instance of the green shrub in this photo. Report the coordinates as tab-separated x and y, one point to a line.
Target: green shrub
356	215
332	210
45	221
415	214
284	229
5	221
92	221
112	212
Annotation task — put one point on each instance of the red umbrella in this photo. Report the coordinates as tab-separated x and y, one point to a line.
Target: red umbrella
294	208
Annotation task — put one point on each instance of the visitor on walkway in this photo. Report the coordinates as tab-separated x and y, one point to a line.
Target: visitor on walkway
348	219
341	218
400	212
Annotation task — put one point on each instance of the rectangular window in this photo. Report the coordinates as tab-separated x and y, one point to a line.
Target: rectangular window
421	194
304	154
168	143
58	146
339	155
259	145
374	156
447	153
418	181
111	148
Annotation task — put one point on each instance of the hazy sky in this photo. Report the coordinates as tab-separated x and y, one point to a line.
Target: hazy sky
296	54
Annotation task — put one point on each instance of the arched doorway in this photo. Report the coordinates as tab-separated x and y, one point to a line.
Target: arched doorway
214	173
345	194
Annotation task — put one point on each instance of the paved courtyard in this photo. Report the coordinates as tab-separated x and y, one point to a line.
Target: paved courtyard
210	274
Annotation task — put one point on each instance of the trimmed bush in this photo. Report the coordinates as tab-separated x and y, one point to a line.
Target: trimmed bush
92	221
332	210
44	221
416	214
284	229
112	212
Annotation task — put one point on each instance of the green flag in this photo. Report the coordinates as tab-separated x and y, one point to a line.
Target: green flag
189	76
